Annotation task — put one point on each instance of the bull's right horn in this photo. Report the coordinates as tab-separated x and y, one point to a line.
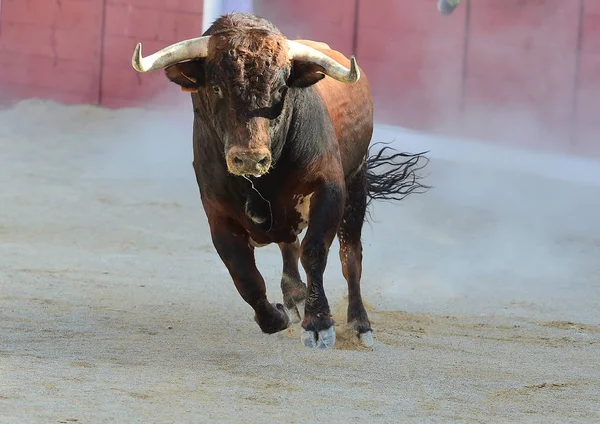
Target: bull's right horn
332	68
194	48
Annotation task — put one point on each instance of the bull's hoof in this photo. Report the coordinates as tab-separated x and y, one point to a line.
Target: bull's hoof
366	339
359	321
324	339
275	319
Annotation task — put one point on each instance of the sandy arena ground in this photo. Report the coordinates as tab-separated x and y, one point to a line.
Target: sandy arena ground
114	307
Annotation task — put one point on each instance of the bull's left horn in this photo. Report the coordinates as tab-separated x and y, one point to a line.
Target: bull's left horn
193	48
334	69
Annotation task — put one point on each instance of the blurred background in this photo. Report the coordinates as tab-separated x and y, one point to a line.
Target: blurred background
518	72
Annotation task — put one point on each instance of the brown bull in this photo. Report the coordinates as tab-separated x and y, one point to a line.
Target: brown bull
281	139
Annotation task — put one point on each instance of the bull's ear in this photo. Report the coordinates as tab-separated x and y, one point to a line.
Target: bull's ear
188	75
305	74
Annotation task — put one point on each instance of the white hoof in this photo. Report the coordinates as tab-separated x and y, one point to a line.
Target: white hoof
308	338
366	339
324	339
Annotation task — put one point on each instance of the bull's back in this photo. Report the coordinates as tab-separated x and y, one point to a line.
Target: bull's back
351	109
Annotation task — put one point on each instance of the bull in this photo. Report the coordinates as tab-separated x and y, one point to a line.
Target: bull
281	137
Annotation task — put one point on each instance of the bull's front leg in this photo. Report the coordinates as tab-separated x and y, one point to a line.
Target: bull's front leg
232	244
326	210
292	287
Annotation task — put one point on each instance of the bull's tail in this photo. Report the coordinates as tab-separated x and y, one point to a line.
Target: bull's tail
394	175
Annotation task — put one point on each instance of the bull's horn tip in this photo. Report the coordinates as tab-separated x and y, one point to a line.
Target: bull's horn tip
354	71
136	59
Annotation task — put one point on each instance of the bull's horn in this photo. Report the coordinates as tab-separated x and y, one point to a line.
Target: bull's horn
193	48
332	68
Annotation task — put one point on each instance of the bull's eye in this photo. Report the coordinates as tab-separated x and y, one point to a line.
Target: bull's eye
278	94
217	90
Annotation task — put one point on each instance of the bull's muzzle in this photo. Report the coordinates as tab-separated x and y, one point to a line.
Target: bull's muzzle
245	162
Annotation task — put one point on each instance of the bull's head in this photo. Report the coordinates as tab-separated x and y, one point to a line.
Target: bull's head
243	77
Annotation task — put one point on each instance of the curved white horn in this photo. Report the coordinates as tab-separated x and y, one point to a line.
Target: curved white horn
332	68
193	48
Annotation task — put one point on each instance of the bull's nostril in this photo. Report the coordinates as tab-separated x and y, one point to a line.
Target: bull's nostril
237	161
263	162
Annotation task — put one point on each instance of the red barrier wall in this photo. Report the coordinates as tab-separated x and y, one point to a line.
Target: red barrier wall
79	51
50	49
412	57
155	23
521	70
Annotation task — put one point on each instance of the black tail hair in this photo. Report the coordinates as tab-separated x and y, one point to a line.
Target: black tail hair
398	177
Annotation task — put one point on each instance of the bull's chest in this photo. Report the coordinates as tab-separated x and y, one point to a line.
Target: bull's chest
278	220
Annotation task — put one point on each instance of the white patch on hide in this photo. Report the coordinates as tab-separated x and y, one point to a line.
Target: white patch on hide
303	208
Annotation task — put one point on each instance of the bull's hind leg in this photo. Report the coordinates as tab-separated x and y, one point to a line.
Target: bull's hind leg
349	236
292	286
